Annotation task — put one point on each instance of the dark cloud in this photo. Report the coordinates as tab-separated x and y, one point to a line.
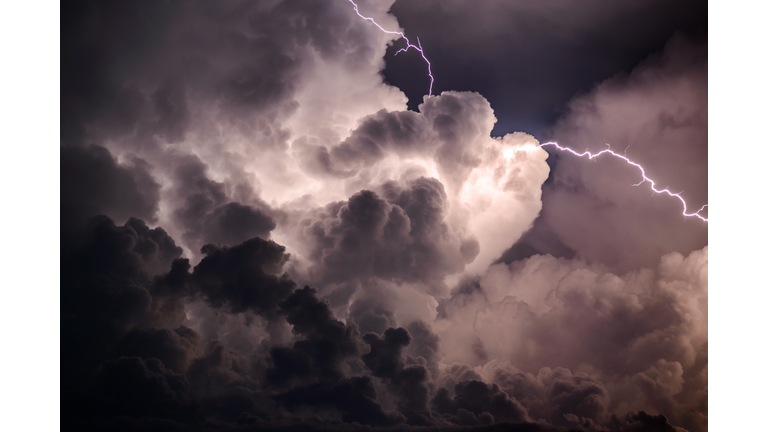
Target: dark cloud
557	396
354	398
455	373
401	236
93	183
371	316
642	422
227	385
476	402
425	203
199	196
243	277
580	396
106	284
157	80
204	213
218	369
344	233
447	130
156	247
126	65
408	382
326	343
123	357
135	387
261	136
404	132
174	348
426	345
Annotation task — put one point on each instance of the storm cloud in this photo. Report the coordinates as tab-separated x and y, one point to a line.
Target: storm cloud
259	234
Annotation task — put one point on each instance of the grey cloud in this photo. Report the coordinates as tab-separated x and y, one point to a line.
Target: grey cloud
426	345
157	80
327	342
312	372
107	283
455	373
355	398
658	113
199	195
371	316
205	215
93	183
638	335
243	277
408	382
401	236
122	43
446	129
459	119
230	123
156	248
233	222
135	387
479	399
404	132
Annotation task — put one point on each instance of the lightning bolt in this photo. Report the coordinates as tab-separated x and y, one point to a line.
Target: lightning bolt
645	179
409	45
642	173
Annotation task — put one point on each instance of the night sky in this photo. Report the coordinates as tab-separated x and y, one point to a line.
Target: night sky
267	224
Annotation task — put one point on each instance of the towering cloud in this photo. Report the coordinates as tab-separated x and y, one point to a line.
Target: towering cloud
258	235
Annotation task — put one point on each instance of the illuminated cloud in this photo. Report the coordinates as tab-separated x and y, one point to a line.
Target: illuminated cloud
257	233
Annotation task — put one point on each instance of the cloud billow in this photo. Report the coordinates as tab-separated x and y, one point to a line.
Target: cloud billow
258	235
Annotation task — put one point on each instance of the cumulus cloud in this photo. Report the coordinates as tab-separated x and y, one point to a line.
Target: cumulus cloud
93	182
618	336
259	235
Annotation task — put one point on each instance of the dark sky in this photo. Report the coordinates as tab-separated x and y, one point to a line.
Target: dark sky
263	226
529	59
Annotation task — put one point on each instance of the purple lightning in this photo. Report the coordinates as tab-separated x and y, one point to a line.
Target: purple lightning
407	41
642	172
